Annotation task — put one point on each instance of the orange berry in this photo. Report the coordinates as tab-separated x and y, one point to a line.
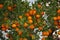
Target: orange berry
3	29
42	13
45	33
3	25
1	6
39	5
7	26
31	27
13	25
43	38
58	11
30	21
55	22
50	31
9	8
25	25
27	14
58	26
20	17
17	29
59	32
40	28
17	24
55	18
59	23
58	17
20	33
37	16
31	12
14	5
29	18
34	12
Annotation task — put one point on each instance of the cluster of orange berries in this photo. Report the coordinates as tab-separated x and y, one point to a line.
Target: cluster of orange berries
29	16
10	8
57	19
46	33
15	26
30	21
4	27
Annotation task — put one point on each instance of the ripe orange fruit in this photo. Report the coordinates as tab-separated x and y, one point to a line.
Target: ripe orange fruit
34	12
45	33
58	26
39	5
31	27
25	25
35	24
30	21
3	29
59	23
55	18
37	16
40	28
21	39
43	38
42	13
58	17
58	11
25	39
27	14
31	12
9	8
55	22
1	6
20	33
5	18
20	17
17	29
3	25
50	31
59	32
7	26
14	5
13	25
29	18
17	23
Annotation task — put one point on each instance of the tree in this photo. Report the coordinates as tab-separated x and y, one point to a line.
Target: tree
19	21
